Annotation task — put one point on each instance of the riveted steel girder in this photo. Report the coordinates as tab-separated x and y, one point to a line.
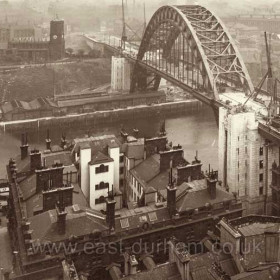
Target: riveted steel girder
181	37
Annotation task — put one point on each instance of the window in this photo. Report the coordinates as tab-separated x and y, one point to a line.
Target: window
261	191
261	164
121	170
101	169
238	164
246	150
100	200
261	151
245	176
237	149
238	138
238	177
124	223
152	216
261	177
143	219
102	186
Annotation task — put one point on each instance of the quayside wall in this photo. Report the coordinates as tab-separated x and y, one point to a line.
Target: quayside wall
105	117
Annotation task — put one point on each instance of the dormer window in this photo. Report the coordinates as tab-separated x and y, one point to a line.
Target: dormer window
102	169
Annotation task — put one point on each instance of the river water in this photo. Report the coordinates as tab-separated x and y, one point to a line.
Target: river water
196	131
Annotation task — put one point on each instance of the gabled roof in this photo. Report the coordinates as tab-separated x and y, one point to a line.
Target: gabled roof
147	170
100	158
97	144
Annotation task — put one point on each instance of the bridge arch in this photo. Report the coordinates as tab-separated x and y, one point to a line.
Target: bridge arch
192	45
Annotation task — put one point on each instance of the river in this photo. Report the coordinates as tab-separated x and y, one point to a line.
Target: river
197	131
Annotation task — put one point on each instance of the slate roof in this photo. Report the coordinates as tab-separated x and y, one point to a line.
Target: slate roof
147	170
79	223
100	158
58	157
134	149
97	144
201	265
135	218
35	202
197	199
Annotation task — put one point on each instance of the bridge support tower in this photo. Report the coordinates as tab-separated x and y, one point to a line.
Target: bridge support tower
245	160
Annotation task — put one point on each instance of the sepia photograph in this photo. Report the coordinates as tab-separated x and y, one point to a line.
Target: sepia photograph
139	140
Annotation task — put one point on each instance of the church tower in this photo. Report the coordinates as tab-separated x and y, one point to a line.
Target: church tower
57	42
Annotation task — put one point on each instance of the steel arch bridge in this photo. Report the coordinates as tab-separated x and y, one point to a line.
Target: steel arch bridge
190	45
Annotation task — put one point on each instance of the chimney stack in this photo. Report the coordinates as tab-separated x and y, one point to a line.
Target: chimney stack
35	160
212	180
63	141
24	146
48	140
171	195
110	210
179	254
176	154
136	132
133	263
61	216
124	135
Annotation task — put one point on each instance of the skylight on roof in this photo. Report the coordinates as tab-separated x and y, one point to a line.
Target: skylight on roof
143	219
152	216
124	223
76	208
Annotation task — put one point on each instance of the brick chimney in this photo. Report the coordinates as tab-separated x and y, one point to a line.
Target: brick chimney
49	178
110	210
178	253
48	141
51	196
24	146
35	160
155	145
212	179
133	263
124	135
61	217
171	196
136	132
130	264
176	155
63	141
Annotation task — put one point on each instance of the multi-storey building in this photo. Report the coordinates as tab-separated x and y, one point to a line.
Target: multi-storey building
120	77
245	159
99	160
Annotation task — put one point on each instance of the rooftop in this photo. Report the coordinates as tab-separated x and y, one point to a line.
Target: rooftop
79	222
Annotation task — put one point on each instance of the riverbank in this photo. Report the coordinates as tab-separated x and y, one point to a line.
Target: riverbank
104	117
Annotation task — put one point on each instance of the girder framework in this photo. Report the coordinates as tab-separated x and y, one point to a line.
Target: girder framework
192	45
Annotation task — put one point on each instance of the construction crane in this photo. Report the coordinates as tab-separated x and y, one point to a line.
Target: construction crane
271	83
124	36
